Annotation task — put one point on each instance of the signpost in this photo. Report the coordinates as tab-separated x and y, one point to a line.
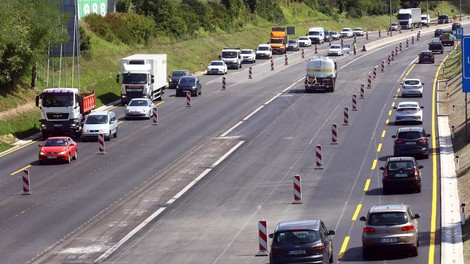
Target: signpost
459	33
466	76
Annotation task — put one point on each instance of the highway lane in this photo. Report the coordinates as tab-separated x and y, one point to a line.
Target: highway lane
70	198
217	221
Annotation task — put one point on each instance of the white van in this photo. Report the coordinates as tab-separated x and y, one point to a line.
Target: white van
316	35
425	20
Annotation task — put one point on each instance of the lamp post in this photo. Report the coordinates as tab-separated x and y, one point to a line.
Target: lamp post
427	14
389	28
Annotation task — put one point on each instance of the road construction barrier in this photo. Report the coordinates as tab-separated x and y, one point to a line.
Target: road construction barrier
101	145
369	82
375	72
407	45
354	102
316	50
297	190
155	115
382	66
388	59
318	158
400	47
272	65
412	40
303	54
393	55
263	238
341	42
250	73
418	35
379	34
463	215
188	99
452	132
334	134
26	182
362	96
286	61
346	117
457	163
367	35
354	38
396	51
224	83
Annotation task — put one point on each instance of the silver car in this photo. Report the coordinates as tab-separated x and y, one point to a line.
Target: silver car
139	107
408	112
102	122
412	87
390	226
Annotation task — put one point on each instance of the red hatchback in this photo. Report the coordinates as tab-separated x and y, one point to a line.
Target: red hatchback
58	149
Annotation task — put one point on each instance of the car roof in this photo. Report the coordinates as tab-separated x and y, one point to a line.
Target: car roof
388	208
357	28
58	137
414	79
298	224
217	61
99	113
408	103
408	129
346	29
189	77
247	49
140	98
400	159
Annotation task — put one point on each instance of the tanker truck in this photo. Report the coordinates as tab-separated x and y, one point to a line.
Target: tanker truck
321	75
63	110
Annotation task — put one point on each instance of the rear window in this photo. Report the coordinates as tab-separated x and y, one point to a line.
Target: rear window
415	82
410	135
297	237
443	17
387	218
400	165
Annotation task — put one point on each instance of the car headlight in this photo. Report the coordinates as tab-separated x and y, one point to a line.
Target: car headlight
62	152
42	153
103	130
86	130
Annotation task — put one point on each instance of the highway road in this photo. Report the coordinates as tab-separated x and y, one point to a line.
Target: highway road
192	188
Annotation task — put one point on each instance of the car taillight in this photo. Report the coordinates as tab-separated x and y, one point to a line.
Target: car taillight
276	249
416	173
399	141
368	229
408	228
422	140
318	246
385	175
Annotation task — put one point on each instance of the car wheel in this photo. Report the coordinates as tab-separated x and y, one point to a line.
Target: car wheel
75	157
330	260
426	156
414	251
200	92
68	158
418	189
115	133
385	190
195	94
108	138
366	254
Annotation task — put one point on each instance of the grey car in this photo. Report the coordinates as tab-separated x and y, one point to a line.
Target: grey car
175	77
189	84
139	107
400	173
101	122
392	226
293	44
411	141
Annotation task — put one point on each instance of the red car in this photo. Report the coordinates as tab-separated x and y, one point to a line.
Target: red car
58	148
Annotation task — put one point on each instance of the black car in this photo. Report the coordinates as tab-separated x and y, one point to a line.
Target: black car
456	25
443	19
411	141
175	77
438	32
328	36
400	173
436	47
189	84
426	57
307	241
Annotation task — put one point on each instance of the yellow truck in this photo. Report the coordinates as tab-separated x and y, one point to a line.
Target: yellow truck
279	40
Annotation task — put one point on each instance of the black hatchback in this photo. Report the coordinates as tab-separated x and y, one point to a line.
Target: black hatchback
301	241
411	141
426	57
401	172
189	84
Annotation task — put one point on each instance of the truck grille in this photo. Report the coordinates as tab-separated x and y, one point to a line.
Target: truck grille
57	116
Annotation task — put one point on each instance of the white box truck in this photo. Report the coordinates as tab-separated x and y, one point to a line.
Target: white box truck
316	35
409	18
143	75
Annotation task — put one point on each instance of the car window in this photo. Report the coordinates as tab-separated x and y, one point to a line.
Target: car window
409	135
178	73
297	237
55	142
96	119
400	165
414	82
138	103
187	81
387	218
216	63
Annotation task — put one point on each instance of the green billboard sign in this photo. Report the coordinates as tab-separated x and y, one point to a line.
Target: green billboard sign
86	7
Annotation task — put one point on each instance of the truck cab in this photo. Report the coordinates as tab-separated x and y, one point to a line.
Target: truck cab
232	57
316	35
279	40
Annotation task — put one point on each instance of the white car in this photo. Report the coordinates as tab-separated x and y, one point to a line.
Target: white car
412	87
305	41
358	32
408	112
347	33
347	48
139	107
335	35
264	51
217	67
335	50
248	55
101	122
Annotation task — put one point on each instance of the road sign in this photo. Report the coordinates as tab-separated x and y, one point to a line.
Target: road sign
459	33
466	64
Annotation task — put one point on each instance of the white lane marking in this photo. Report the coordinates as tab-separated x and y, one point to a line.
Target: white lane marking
231	129
112	249
252	113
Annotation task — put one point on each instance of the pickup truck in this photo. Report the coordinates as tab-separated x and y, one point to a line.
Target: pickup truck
447	39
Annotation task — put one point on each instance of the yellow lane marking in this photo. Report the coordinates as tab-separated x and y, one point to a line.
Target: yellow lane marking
366	186
393	104
343	247
408	73
389	112
386	122
120	122
379	147
395	97
16	148
398	91
356	213
20	170
383	133
374	164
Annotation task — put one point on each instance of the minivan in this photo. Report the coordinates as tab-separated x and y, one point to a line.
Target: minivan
100	122
316	34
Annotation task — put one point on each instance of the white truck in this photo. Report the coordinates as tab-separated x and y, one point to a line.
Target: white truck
321	74
63	110
316	35
143	75
409	18
232	57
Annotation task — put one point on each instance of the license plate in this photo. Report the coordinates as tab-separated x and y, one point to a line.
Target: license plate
410	143
389	240
58	125
296	252
401	175
51	157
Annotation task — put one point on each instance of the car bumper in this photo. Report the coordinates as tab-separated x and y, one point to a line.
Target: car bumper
401	183
412	92
93	135
53	157
410	119
215	71
297	259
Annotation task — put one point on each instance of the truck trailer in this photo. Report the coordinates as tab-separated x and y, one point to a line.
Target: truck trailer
321	75
63	110
279	39
409	18
143	75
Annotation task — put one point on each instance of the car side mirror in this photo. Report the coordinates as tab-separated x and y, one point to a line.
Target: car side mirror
428	135
381	168
40	145
331	232
420	166
422	83
394	136
363	218
416	216
401	83
421	107
271	235
394	107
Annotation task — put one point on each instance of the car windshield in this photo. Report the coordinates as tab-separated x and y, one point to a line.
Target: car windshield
313	33
187	81
414	82
403	109
358	29
387	218
346	29
57	99
138	103
400	165
263	48
178	73
297	237
217	63
96	119
303	38
409	135
442	17
134	78
346	46
55	142
246	52
276	40
292	41
335	47
229	54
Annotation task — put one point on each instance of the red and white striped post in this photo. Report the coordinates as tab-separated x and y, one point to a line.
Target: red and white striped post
463	215
369	82
155	115
407	43
334	134
400	47
393	55
250	73
101	143
396	51
263	238
457	163
26	182
224	83
316	51
286	60
354	103
379	34
388	59
367	35
412	40
375	72
297	190
382	66
346	117
303	54
188	99
362	96
418	35
341	42
318	158
272	65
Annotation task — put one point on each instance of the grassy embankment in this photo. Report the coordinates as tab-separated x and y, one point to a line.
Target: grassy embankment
99	73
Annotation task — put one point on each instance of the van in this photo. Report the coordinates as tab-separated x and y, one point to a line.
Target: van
232	57
436	46
316	35
425	20
101	122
